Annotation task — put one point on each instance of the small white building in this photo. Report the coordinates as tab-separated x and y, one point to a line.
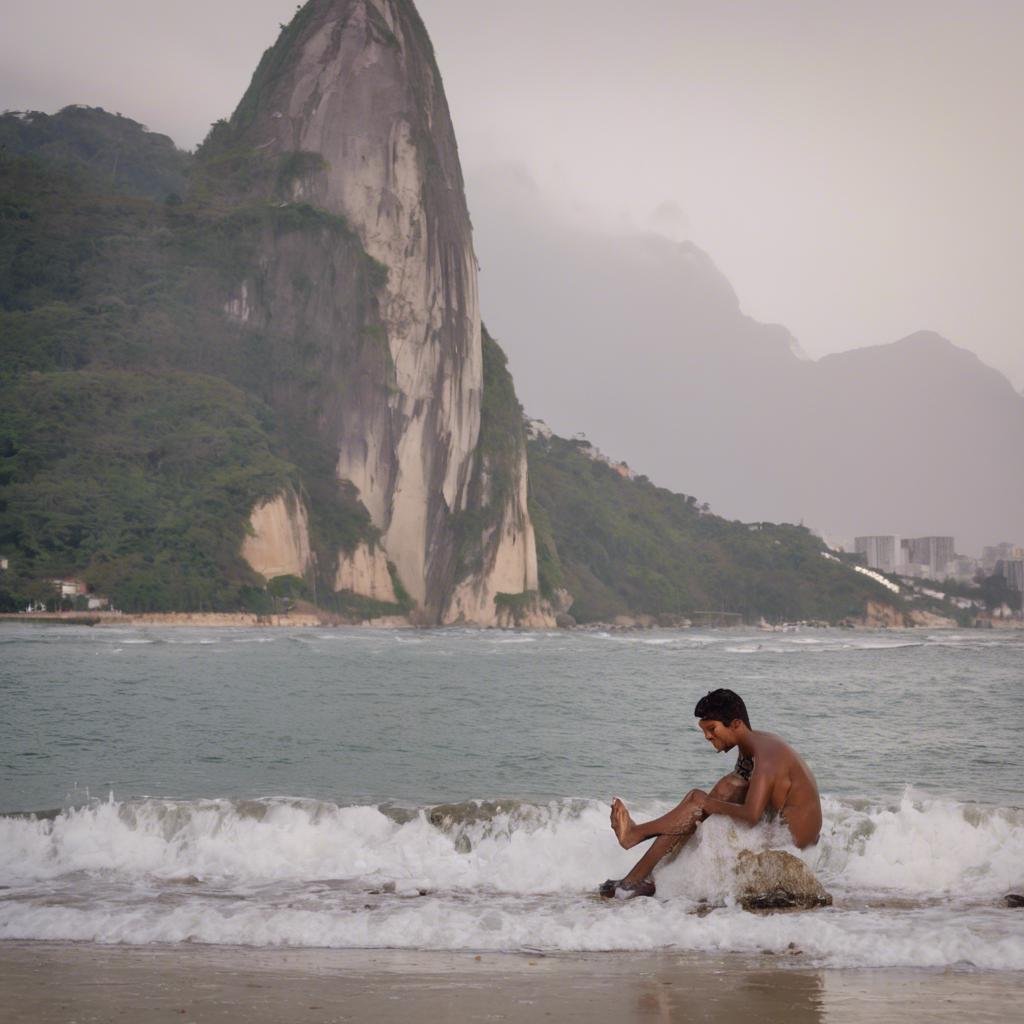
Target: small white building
70	588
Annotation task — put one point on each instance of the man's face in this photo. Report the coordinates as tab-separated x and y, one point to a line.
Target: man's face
717	733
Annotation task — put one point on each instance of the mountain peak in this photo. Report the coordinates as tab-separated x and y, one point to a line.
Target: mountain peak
346	113
926	339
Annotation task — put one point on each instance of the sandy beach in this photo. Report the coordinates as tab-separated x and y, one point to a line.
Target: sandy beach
51	982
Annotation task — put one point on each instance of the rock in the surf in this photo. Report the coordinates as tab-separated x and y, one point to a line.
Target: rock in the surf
776	880
1014	900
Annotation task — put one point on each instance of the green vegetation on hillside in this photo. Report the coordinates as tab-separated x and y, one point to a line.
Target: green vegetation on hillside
141	484
501	442
125	390
115	154
625	546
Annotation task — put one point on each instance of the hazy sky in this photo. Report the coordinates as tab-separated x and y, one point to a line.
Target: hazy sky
854	168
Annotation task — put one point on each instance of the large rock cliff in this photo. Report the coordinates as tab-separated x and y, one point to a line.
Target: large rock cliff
346	115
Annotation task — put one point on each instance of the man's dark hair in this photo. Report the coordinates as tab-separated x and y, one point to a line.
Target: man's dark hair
723	706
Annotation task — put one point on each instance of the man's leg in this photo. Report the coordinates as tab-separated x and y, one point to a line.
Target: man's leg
681	820
656	852
672	831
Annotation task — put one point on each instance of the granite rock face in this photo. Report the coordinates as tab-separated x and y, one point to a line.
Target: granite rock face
776	880
278	544
364	571
347	115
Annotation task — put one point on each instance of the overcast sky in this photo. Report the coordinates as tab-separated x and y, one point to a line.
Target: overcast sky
854	168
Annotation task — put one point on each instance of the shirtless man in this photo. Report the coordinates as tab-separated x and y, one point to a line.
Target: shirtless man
770	776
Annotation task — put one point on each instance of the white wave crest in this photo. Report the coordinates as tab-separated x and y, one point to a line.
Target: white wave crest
917	847
916	882
922	847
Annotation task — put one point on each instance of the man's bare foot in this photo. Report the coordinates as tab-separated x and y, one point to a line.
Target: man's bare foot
619	888
623	825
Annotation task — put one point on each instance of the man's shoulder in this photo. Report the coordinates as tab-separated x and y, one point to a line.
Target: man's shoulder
761	737
769	748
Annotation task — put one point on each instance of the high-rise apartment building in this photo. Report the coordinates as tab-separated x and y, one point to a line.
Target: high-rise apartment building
1012	570
997	553
935	552
880	552
963	569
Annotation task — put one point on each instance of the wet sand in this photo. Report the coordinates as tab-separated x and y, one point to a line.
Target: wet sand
46	982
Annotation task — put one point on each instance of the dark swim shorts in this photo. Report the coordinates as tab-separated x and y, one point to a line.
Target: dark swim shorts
744	766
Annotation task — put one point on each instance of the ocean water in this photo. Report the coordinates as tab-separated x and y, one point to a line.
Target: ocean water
450	789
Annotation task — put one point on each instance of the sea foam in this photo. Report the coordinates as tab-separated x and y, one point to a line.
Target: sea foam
916	882
919	846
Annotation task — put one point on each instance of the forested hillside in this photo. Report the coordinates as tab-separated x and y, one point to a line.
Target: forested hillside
136	422
624	546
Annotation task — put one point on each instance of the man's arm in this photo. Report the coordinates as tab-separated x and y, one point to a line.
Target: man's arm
753	807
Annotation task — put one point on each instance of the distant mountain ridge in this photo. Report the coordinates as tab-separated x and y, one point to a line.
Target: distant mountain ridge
642	343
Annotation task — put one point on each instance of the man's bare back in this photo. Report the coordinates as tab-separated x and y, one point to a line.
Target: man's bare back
780	783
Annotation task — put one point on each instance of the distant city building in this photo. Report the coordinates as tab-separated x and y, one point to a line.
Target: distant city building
963	569
1012	570
913	569
880	552
935	552
999	553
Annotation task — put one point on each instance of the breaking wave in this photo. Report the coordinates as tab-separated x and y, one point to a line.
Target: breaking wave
917	882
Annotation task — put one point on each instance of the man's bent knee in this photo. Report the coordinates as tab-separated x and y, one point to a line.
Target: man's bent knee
732	789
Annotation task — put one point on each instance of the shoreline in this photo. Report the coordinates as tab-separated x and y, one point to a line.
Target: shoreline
210	620
308	620
47	982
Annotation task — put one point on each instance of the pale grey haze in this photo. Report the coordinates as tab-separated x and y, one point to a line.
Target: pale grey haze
853	170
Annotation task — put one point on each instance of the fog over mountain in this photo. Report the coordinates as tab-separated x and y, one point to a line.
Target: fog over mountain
643	344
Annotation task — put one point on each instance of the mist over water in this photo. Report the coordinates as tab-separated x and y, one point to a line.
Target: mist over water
282	787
